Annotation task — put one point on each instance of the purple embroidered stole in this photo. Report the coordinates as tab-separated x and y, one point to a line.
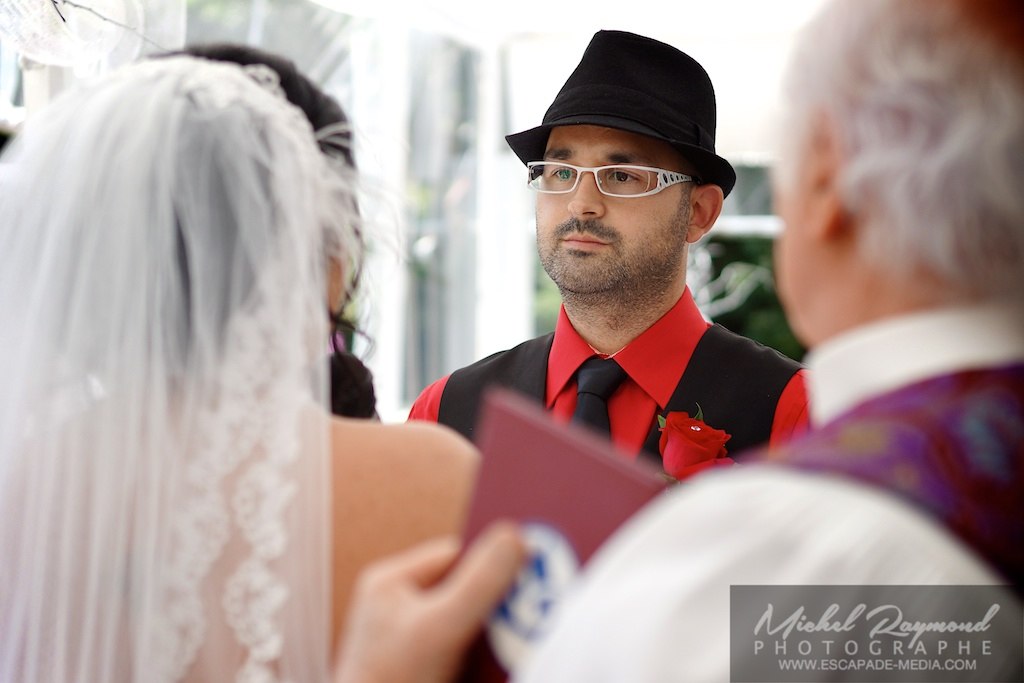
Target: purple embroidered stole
952	446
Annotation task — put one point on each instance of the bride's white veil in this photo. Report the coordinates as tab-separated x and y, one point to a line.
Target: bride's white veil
164	502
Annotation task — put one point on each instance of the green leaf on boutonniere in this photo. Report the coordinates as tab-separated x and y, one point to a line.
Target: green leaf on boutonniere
699	417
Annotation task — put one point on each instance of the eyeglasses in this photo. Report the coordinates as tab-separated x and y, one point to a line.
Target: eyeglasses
623	180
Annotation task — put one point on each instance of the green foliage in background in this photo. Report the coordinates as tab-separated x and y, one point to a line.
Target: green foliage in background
761	316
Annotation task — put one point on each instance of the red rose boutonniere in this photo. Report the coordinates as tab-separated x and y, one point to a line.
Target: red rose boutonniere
689	445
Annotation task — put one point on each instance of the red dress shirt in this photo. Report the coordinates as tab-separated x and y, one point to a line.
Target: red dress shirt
654	362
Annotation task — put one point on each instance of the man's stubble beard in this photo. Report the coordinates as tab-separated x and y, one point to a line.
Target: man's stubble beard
616	282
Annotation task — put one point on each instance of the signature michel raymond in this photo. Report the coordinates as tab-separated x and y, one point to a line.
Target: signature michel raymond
882	620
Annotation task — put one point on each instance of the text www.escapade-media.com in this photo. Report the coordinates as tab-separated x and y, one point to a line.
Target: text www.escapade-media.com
828	664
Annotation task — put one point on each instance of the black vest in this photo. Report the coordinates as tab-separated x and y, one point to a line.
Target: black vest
735	380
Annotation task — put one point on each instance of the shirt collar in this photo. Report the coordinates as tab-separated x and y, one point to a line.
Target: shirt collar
655	360
884	356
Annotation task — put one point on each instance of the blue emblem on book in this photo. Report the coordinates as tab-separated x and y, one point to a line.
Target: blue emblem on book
525	614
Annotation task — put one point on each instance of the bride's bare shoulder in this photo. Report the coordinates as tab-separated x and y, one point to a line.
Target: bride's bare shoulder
414	444
394	486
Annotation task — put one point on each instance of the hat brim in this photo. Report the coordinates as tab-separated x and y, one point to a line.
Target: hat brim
529	145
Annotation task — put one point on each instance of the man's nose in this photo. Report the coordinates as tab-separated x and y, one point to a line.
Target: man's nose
587	199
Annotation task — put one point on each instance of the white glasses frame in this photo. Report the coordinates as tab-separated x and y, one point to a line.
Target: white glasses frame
665	177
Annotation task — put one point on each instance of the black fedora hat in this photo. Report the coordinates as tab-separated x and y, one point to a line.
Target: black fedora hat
637	84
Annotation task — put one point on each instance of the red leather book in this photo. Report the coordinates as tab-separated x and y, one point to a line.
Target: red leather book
570	489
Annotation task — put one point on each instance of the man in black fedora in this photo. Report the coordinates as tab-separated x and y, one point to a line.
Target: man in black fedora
626	175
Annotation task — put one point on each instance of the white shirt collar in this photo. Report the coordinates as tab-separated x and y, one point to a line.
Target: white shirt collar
880	357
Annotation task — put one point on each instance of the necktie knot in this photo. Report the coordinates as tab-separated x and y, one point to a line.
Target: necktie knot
599	376
596	380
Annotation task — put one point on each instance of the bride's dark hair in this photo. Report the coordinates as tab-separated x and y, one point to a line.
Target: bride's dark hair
352	391
321	109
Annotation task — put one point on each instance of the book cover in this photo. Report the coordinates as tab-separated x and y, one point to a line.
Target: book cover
569	489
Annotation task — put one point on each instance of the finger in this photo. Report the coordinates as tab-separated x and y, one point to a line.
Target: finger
422	564
484	574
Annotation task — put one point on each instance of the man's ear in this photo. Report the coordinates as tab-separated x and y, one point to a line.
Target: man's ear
705	207
827	214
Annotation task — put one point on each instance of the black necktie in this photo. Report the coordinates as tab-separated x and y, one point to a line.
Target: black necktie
596	380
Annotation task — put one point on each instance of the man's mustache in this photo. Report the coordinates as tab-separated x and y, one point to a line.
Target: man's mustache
575	225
